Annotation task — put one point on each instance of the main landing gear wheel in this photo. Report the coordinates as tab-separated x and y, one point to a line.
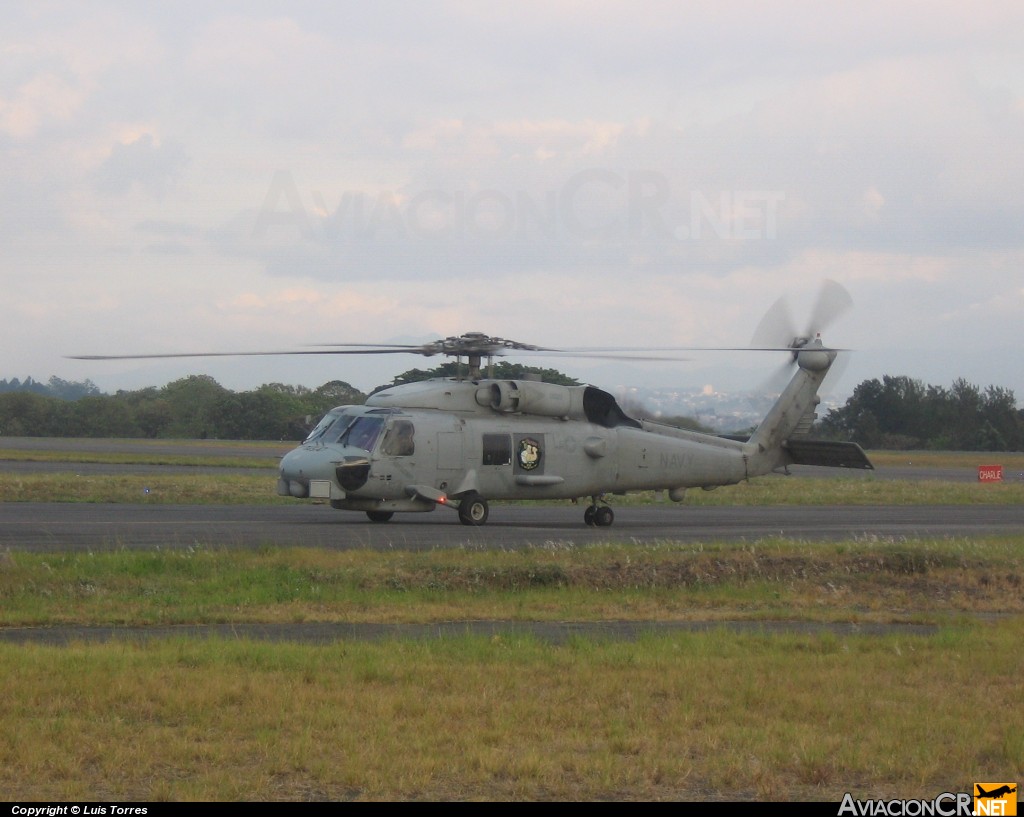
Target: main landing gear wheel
380	516
473	509
600	516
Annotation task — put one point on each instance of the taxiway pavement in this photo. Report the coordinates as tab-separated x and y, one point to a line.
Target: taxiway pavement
72	526
47	527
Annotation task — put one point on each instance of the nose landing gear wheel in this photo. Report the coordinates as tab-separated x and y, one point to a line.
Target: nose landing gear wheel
473	510
379	516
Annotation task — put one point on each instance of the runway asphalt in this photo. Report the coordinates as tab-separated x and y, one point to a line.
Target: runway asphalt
69	527
73	526
48	527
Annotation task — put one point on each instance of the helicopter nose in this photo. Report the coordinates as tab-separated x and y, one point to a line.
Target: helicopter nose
295	471
291	464
350	471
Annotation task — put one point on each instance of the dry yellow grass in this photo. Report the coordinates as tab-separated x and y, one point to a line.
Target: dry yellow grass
687	717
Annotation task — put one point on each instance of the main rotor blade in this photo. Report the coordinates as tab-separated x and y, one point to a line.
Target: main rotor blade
554	353
638	352
398	347
625	353
239	354
471	343
833	301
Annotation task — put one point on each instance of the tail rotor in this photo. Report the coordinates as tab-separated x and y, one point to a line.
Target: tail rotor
778	330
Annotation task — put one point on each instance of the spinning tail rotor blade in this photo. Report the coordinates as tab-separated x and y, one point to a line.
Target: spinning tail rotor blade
833	302
777	380
777	327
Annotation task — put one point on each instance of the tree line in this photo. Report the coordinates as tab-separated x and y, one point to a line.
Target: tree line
192	407
54	387
904	413
896	412
198	407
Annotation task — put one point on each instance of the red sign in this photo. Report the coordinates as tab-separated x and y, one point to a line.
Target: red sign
990	473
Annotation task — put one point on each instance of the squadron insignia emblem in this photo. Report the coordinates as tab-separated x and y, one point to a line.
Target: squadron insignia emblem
529	454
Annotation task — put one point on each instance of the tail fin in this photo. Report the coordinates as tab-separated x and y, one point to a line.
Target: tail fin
771	445
798	399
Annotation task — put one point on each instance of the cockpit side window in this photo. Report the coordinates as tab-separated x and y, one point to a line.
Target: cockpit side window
363	433
398	440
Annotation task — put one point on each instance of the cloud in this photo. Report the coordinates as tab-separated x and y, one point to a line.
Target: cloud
264	175
42	99
142	163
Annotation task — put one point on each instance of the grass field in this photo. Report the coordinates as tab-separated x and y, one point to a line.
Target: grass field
689	716
703	716
933	580
712	716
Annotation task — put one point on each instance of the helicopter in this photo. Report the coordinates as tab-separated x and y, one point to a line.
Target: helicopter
463	442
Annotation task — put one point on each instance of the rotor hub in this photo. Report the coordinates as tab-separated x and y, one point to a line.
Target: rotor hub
813	356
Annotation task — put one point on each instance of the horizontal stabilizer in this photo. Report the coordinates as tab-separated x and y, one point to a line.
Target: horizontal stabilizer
828	454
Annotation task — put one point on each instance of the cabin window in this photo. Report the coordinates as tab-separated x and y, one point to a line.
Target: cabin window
398	440
497	449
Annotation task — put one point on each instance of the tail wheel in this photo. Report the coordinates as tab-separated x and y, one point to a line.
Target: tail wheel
380	516
604	516
473	509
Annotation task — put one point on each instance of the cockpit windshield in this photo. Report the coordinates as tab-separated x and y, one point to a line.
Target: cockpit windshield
362	433
331	427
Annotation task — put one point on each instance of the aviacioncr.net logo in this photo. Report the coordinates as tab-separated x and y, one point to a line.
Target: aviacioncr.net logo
995	799
947	804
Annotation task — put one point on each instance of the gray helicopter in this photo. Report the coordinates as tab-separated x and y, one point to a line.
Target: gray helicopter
463	442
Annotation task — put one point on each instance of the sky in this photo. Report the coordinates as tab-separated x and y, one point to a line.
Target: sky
196	177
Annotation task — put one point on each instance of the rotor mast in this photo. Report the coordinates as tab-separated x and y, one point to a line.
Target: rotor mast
475	346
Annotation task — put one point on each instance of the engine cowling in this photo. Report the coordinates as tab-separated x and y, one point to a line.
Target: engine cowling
529	397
